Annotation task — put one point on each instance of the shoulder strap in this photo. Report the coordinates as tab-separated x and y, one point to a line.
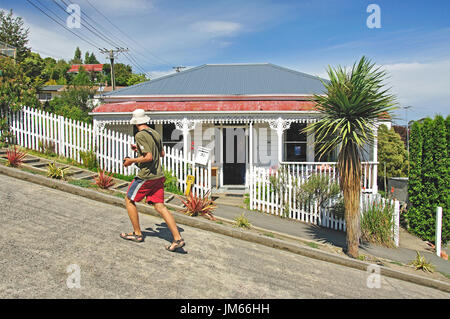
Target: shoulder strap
158	144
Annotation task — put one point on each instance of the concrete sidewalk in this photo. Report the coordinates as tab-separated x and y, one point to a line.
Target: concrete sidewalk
327	236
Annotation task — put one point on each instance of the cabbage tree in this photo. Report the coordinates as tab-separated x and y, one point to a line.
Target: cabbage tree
353	102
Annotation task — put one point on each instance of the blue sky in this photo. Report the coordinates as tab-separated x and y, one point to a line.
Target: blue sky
413	43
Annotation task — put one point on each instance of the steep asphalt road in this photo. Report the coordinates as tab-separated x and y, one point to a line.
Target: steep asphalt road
43	231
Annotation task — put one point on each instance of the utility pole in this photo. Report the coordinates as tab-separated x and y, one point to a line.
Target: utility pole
112	53
178	68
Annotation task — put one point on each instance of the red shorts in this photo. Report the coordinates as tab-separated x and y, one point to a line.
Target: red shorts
152	189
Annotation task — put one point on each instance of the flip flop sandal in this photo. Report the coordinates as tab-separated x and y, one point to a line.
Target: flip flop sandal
179	244
132	237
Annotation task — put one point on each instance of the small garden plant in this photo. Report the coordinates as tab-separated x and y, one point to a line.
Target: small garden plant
242	222
14	157
56	172
198	206
104	180
420	263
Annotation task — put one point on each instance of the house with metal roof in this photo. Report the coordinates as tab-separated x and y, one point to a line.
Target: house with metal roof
245	114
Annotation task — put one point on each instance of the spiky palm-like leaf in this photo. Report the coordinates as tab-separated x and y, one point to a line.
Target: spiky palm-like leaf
198	205
353	102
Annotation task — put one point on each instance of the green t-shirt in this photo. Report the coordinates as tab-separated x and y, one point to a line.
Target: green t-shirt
146	144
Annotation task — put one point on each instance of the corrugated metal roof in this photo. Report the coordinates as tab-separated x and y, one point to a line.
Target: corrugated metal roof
228	79
51	87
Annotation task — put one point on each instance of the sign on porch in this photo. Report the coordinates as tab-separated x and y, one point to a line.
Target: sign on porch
202	155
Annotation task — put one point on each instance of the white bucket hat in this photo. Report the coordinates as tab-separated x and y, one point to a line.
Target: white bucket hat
139	117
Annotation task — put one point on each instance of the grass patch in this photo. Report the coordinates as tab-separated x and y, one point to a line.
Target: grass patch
445	275
127	178
120	195
219	222
396	263
82	183
269	235
312	245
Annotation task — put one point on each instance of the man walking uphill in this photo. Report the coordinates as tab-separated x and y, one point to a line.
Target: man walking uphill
149	182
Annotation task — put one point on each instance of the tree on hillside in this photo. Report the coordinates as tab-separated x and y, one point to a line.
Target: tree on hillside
82	78
401	130
33	66
74	103
353	102
13	32
122	72
90	58
77	57
392	153
136	78
16	90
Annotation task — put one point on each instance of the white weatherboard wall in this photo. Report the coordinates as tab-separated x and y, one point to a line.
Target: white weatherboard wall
33	127
265	145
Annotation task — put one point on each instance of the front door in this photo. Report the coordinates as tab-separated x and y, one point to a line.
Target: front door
234	156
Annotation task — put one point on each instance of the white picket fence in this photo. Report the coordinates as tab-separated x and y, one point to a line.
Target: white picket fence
34	127
263	196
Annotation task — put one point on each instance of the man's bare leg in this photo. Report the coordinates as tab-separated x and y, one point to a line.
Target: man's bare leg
134	216
170	221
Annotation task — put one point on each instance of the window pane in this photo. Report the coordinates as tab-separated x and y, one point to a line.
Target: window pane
293	133
168	129
295	152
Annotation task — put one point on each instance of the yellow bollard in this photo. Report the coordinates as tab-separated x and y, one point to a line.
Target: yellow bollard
189	181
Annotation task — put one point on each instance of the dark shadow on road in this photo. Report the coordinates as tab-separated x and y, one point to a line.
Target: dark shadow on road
163	232
330	236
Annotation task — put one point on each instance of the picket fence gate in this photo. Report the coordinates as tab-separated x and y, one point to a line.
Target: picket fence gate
35	129
263	196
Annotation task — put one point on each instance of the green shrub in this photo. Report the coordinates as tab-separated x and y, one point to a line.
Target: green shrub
317	188
392	153
171	183
429	178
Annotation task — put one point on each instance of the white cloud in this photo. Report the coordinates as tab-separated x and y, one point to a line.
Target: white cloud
116	5
217	28
425	86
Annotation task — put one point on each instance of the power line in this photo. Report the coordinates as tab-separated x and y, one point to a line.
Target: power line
62	25
165	62
102	35
94	31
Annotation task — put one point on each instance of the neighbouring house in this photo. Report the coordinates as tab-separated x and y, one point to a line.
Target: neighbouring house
48	92
245	114
93	69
